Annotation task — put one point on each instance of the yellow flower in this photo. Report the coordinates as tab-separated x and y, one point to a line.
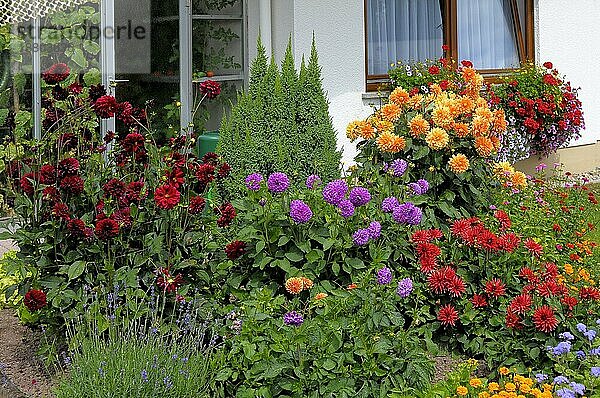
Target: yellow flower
437	138
503	168
475	382
442	117
458	163
461	130
306	283
483	394
462	391
484	146
390	142
383	126
519	179
366	130
510	387
525	388
493	386
418	126
504	371
353	130
399	96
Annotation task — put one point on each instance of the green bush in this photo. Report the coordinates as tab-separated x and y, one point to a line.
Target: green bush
281	123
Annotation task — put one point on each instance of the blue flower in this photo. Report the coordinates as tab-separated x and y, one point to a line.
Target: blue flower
560	380
566	336
565	393
541	377
580	354
562	348
581	327
144	375
595	351
597	321
595	371
590	334
578	388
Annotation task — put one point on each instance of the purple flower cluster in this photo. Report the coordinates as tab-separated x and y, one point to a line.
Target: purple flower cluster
335	191
253	181
384	276
346	208
293	318
419	188
595	371
405	287
313	181
563	347
398	167
389	204
278	182
374	230
300	212
407	213
361	237
359	196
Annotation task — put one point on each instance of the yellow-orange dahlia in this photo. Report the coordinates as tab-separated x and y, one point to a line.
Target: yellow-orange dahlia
461	130
484	146
320	296
480	126
418	126
437	138
294	285
390	112
442	117
416	101
353	130
390	142
307	283
366	130
519	179
462	391
399	96
458	163
503	169
383	126
499	123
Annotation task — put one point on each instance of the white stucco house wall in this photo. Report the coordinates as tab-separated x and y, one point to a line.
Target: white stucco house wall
566	33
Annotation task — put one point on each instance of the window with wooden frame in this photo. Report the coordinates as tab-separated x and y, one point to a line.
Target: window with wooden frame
495	35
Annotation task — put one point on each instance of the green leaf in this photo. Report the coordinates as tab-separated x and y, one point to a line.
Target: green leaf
91	47
223	374
260	245
329	364
294	256
76	269
92	77
79	58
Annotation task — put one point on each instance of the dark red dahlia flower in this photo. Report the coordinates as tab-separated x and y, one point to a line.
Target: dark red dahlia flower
197	205
166	197
68	167
135	191
106	106
235	249
133	143
224	171
227	214
544	319
114	188
210	157
447	315
210	89
124	113
123	218
56	73
61	211
72	185
167	282
495	288
51	194
59	93
27	182
76	228
512	320
35	300
205	173
174	177
107	229
75	88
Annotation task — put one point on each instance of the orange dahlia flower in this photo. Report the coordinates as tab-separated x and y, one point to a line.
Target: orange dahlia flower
437	138
399	96
294	285
390	142
458	163
418	126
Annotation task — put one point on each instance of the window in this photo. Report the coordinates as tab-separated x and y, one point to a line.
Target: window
493	34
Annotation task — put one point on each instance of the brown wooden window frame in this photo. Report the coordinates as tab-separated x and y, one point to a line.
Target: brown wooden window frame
525	40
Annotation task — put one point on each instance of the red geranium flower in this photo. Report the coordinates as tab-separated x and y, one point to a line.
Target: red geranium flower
106	106
197	205
167	282
547	65
445	47
107	229
166	197
521	304
495	288
444	84
56	73
434	69
544	319
210	89
447	315
533	247
235	249
550	80
72	185
35	300
479	301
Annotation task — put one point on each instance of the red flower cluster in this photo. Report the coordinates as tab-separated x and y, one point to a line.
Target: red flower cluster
427	252
226	214
210	89
35	300
166	197
473	233
56	73
445	280
447	315
235	249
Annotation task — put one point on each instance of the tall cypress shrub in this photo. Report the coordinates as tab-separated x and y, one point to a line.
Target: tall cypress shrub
281	123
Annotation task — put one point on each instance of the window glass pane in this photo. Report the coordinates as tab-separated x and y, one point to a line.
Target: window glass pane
486	34
408	30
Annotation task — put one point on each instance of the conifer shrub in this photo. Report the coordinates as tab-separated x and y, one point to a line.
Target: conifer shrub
281	122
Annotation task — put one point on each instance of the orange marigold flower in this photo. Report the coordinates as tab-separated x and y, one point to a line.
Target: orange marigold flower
462	391
390	112
366	130
458	163
519	179
399	96
503	371
437	138
418	126
320	296
390	142
307	283
442	117
484	146
353	130
475	382
461	130
294	285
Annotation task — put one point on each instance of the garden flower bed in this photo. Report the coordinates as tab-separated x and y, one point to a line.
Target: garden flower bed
156	273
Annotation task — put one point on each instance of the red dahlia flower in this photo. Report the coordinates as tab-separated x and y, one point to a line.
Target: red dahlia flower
521	304
589	293
544	319
210	89
509	242
434	70
166	197
456	286
135	191
210	157
114	188
167	282
174	177
447	315
72	185
51	194
548	65
205	173
68	167
479	301
123	218
495	288
106	106
56	73
503	218
224	170
133	143
197	205
227	214
34	300
48	174
569	302
26	183
533	247
76	228
107	229
512	320
61	211
235	249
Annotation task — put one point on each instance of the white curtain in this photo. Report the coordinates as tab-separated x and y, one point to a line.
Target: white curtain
407	30
486	34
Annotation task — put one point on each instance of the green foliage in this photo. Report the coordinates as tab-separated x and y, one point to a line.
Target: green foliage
420	75
281	123
8	279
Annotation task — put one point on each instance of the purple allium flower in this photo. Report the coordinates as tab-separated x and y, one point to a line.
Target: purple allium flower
541	377
293	318
374	230
300	211
384	276
278	182
346	208
335	191
407	213
398	167
253	181
405	287
313	181
415	188
595	371
359	196
389	204
361	237
581	327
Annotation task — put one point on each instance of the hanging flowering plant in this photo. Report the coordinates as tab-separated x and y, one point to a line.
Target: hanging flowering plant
543	111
